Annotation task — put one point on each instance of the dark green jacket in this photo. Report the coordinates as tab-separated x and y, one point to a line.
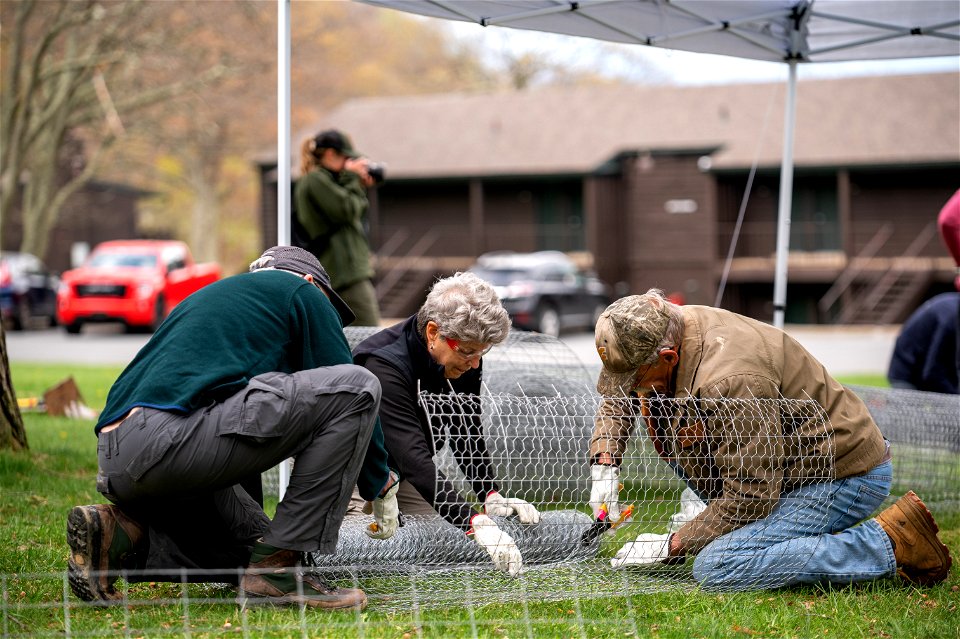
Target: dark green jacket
226	333
331	208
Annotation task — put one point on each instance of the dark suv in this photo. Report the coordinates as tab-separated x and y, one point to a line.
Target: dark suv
28	290
544	291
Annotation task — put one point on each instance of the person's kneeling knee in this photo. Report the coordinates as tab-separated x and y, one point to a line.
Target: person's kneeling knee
346	377
721	571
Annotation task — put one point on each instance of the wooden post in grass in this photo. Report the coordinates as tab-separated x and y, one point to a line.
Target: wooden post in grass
12	433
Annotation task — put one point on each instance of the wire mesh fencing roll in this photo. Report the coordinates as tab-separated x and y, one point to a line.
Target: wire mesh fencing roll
527	364
555	479
538	410
924	432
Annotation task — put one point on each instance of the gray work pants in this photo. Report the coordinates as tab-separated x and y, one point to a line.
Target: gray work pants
180	474
409	500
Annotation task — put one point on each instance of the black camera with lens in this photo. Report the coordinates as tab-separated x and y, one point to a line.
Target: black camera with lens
377	172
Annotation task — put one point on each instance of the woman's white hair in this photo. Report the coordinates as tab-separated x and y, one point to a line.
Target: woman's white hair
466	308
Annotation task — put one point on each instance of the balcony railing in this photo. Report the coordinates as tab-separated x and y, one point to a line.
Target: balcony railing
757	239
457	239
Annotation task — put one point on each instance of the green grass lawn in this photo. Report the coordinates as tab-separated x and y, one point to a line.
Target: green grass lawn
38	487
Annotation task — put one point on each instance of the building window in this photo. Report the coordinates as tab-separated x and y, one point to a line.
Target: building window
559	210
814	222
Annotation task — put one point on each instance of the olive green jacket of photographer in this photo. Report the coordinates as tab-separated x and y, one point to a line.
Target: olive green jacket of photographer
331	209
739	444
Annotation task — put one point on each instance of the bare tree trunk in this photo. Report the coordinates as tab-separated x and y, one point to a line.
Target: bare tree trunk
203	176
12	433
61	61
204	236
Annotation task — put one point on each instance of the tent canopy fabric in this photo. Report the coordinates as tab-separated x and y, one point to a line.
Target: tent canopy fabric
772	30
790	31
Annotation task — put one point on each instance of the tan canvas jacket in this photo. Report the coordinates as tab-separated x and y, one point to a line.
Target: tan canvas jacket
740	446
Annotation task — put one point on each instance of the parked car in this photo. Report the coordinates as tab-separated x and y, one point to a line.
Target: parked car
544	291
137	282
28	290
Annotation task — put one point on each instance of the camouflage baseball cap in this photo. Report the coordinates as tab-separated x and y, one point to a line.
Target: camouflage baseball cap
627	334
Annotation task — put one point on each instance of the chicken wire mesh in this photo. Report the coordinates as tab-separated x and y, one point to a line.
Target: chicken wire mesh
924	430
538	447
527	363
538	410
211	610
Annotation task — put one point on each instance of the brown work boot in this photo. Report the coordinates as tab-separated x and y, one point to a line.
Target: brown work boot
275	576
103	541
921	557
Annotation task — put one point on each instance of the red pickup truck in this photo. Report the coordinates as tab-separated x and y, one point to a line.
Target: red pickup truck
136	282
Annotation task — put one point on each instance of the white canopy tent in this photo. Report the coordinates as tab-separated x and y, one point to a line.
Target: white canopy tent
791	31
774	30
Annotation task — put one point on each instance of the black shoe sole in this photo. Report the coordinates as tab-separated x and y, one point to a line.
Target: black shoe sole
83	537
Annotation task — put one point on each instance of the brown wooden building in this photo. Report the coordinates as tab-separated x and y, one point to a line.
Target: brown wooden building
646	185
97	212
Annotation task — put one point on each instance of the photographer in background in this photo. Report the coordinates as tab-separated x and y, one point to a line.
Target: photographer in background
331	202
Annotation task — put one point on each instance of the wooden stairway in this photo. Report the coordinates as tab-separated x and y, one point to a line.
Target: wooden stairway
887	296
401	287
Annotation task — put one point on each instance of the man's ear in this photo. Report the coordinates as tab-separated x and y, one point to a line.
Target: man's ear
432	330
669	356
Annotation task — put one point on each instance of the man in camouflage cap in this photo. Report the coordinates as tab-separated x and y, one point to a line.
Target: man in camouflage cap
627	336
766	477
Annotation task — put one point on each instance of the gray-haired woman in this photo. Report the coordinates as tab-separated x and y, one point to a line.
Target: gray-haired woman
440	350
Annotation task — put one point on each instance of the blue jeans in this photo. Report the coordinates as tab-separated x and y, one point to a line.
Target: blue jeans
810	537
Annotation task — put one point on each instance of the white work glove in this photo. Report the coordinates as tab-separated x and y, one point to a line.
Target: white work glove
648	549
605	489
690	507
496	505
78	410
386	514
498	544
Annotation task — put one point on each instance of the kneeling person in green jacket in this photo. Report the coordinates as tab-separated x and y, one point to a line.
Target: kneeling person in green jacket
243	374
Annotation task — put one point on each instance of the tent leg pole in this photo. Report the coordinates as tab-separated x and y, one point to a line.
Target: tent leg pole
283	156
786	198
283	122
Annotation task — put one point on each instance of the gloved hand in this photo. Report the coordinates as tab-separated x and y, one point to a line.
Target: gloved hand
386	514
605	489
648	549
496	505
690	507
498	544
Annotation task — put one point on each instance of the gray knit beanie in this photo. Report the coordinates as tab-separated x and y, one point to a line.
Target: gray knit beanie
298	260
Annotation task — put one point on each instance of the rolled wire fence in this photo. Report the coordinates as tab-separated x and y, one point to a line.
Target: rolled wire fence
924	432
537	412
539	445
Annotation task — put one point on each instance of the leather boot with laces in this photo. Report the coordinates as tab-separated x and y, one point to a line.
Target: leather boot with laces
275	576
103	542
921	556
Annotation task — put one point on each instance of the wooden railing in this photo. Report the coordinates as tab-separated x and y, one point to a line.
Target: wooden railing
880	290
854	267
